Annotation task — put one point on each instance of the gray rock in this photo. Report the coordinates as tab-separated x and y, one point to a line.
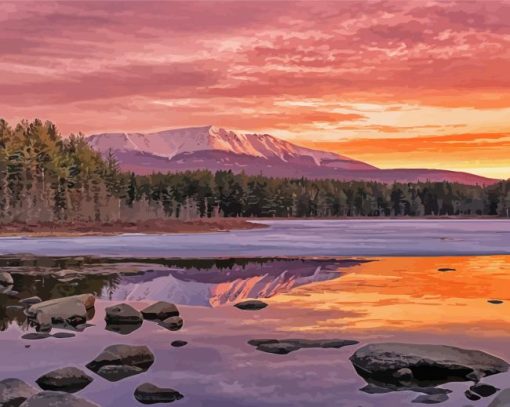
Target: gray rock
431	398
172	323
13	392
285	346
445	269
148	393
30	300
114	373
123	314
68	379
6	278
251	305
71	310
56	399
433	363
87	300
483	390
122	355
502	399
43	322
160	310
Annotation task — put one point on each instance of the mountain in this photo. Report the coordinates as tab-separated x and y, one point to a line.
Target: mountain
216	149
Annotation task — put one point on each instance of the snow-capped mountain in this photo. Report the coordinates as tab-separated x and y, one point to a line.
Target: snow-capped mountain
216	149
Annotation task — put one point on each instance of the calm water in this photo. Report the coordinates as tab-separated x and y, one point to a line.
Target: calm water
293	238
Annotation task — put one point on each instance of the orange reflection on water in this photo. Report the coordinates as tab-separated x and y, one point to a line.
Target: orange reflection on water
408	293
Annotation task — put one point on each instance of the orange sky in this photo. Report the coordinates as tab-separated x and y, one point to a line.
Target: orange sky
398	84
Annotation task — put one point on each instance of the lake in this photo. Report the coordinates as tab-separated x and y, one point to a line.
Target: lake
371	295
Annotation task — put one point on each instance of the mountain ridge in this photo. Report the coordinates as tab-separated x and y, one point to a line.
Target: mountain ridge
216	148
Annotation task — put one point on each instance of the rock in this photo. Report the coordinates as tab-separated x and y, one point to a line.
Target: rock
404	374
496	302
68	379
56	399
179	344
251	305
71	313
445	269
471	395
122	355
483	390
87	300
283	347
123	329
172	323
431	398
6	278
502	399
428	363
30	301
44	322
160	310
12	293
63	335
150	394
114	373
13	392
35	336
123	314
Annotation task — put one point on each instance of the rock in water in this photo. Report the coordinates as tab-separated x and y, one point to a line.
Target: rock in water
251	305
56	399
123	329
495	302
123	356
30	301
13	392
148	393
502	399
445	269
483	390
179	344
6	278
431	363
123	314
87	300
431	398
285	346
68	379
172	323
160	310
67	310
114	373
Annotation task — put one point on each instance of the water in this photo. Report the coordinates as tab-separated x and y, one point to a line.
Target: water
292	238
370	299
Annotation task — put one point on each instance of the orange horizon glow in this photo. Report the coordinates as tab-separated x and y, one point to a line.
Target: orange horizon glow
396	84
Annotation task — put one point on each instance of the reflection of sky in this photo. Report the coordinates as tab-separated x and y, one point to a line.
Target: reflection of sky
395	299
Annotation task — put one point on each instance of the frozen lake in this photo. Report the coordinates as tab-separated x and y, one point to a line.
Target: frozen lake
291	238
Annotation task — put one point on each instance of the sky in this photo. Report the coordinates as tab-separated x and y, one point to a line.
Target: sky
394	83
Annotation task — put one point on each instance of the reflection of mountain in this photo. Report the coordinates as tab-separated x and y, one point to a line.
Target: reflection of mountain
215	287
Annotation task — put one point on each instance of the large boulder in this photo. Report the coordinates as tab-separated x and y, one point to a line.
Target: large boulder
123	314
71	310
160	310
428	363
139	357
88	301
6	278
251	305
13	392
285	346
148	393
68	379
56	399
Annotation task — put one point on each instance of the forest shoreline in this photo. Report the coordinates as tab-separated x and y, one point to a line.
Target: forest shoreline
156	226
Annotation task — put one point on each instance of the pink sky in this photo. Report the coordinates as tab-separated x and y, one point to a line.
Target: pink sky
315	72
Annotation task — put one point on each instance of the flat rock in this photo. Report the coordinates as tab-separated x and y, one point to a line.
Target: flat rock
115	373
179	344
445	269
431	398
160	310
30	300
6	278
13	392
56	399
148	393
285	346
172	323
495	302
251	305
502	399
123	314
67	379
123	355
431	363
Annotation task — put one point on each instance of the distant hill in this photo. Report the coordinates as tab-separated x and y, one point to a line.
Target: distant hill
216	149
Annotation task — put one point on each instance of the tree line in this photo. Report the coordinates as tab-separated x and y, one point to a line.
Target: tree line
47	178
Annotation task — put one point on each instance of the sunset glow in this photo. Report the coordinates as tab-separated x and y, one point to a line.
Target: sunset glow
395	84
